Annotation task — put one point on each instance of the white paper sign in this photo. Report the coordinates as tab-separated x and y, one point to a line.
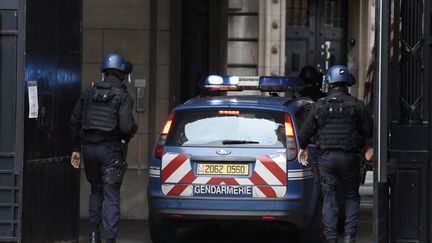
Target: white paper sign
33	100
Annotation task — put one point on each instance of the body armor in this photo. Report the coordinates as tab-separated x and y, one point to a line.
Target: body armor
101	107
338	122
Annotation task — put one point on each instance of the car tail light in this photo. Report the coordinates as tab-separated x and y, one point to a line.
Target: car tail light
159	149
291	145
268	218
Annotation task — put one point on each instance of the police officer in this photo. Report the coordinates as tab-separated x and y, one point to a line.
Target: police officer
101	125
341	124
312	80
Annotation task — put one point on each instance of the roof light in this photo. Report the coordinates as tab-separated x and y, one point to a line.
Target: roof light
249	82
264	83
221	82
214	79
280	84
234	80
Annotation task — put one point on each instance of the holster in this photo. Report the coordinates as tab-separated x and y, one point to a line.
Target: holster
114	174
121	145
313	158
362	166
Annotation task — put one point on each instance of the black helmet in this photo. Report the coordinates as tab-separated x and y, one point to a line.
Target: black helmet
310	75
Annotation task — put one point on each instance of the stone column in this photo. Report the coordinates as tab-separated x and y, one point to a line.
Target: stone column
272	37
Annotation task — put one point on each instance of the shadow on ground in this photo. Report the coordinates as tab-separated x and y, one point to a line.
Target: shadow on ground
136	231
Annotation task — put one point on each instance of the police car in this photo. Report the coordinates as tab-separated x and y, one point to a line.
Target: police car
234	158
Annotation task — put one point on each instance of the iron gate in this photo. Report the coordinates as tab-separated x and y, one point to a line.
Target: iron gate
403	110
53	62
39	192
11	133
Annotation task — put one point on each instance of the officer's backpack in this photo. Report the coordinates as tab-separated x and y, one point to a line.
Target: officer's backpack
101	107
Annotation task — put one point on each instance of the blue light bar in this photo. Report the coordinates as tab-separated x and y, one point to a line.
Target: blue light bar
280	84
264	83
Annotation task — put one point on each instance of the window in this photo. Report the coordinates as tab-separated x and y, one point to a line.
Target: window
213	128
333	14
297	13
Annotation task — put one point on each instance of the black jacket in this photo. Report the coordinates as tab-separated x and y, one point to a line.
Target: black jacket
310	126
126	128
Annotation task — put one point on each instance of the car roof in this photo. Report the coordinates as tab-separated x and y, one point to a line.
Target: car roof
241	101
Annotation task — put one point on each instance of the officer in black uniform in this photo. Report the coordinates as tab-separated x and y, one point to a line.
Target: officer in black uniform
312	80
341	124
101	126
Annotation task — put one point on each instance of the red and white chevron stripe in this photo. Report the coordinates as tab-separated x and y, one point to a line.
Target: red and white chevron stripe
268	180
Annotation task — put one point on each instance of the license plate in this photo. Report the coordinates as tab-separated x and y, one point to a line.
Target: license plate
223	169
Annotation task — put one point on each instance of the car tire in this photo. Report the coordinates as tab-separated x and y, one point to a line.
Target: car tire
314	232
164	232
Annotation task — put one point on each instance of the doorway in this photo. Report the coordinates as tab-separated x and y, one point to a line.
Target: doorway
315	34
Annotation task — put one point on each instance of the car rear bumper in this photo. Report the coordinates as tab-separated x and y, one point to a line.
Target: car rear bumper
289	211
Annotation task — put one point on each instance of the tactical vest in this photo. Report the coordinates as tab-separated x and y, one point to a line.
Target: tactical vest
338	124
101	107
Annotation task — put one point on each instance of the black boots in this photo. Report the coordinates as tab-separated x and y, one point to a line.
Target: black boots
95	237
349	239
332	241
111	241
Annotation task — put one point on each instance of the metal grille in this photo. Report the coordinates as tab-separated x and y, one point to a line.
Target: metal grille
10	177
297	13
411	64
333	13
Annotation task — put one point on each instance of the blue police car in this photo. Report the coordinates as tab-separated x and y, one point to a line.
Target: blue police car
234	158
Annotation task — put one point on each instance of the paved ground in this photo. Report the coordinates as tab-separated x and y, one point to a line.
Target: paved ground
137	231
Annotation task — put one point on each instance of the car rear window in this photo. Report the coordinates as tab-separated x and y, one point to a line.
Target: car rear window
227	127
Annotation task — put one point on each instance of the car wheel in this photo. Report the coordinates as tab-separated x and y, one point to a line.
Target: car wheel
314	232
164	232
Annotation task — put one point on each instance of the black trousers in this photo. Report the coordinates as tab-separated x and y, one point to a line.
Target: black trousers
339	168
104	203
